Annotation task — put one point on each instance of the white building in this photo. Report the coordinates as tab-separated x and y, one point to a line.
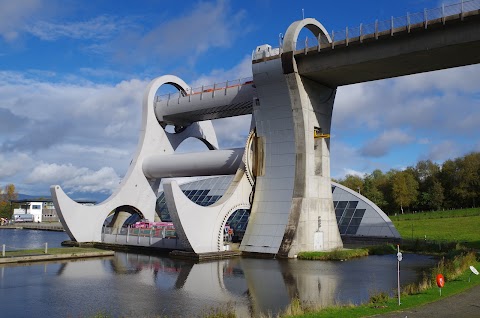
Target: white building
28	212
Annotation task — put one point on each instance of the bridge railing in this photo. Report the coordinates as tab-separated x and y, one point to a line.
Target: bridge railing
157	232
208	89
392	25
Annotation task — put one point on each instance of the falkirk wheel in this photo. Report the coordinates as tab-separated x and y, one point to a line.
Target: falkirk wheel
282	173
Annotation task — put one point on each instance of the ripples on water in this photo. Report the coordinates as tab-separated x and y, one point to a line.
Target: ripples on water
139	285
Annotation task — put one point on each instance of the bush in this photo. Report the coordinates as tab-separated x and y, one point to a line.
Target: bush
378	298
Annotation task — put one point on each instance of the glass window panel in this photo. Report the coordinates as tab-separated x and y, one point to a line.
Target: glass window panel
345	222
359	213
338	213
342	204
352	230
342	229
355	221
349	213
352	204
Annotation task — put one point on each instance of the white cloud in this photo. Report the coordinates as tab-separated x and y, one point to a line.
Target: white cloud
85	126
444	150
382	144
204	26
14	15
99	28
12	164
75	179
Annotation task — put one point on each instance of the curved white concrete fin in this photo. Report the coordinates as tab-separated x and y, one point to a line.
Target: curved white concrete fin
200	228
85	223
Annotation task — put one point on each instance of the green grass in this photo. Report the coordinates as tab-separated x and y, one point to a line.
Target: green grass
460	226
437	214
51	251
335	255
345	254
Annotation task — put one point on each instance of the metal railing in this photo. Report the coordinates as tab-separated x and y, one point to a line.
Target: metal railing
208	89
8	248
391	26
157	232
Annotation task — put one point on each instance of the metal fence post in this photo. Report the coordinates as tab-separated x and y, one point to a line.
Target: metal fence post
443	13
376	29
318	40
306	45
346	36
46	247
360	36
3	250
408	22
128	232
425	18
333	39
461	11
391	26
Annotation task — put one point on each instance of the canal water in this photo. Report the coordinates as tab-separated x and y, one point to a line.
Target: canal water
134	285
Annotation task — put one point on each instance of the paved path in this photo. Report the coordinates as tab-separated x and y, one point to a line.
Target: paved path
465	304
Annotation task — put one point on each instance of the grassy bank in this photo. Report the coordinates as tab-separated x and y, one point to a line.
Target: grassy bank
51	251
443	226
345	254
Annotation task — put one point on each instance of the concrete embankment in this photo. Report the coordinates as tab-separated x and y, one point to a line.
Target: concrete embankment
57	254
56	226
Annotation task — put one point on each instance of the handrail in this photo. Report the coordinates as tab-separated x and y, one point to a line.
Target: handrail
391	26
208	89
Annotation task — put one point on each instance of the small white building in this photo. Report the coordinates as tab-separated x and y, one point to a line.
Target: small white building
28	212
40	210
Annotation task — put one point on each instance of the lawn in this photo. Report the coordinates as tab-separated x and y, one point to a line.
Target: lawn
453	226
51	251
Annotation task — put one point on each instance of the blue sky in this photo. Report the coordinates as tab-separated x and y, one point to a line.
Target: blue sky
72	75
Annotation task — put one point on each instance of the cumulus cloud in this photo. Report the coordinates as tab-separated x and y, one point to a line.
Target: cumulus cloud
442	151
11	164
90	127
381	145
75	179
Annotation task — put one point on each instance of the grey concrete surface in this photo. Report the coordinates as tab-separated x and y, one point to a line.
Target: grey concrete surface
463	305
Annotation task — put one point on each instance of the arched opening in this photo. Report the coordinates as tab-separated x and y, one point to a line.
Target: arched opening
168	91
123	216
236	226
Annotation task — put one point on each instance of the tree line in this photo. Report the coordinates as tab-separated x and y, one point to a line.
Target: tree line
423	187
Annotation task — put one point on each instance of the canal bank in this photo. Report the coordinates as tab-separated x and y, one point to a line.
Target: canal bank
54	226
38	255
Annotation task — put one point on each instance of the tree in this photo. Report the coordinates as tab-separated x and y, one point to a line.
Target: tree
372	188
6	195
353	182
404	189
468	186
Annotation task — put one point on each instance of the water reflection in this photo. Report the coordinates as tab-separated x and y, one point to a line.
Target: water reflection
140	285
